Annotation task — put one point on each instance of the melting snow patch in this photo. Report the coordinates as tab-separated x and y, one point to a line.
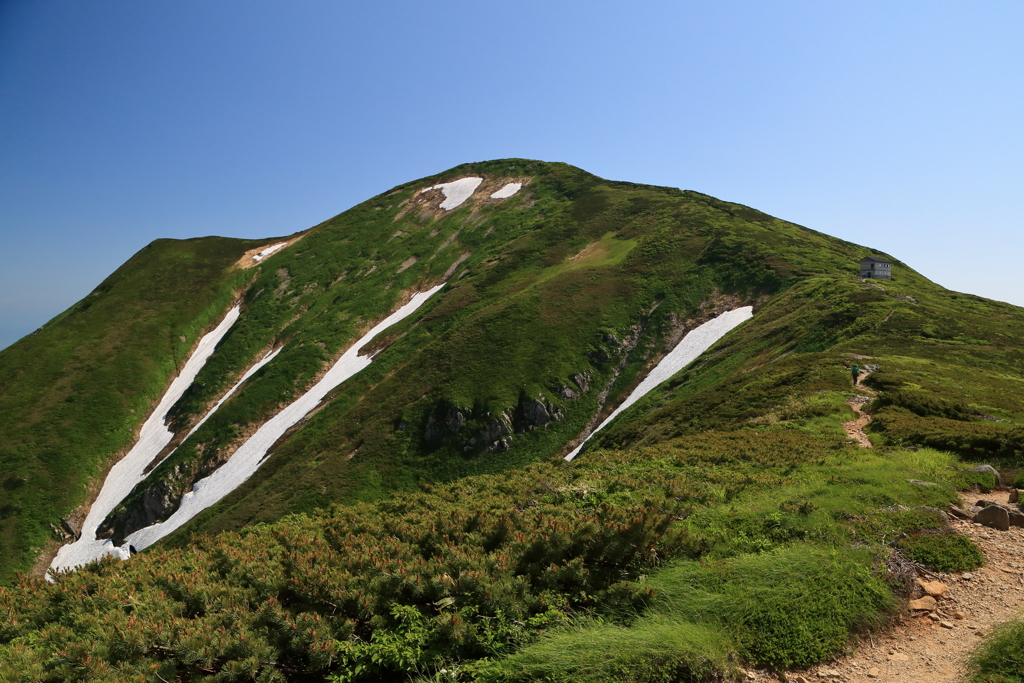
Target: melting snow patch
268	251
456	192
507	191
250	455
271	355
696	342
130	470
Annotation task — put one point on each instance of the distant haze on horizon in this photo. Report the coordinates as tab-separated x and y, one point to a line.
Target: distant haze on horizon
892	125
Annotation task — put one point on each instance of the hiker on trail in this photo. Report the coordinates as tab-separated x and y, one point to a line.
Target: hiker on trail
856	373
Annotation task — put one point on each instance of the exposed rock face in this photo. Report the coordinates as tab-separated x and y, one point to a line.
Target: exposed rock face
496	434
441	426
567	392
534	412
582	380
157	503
994	516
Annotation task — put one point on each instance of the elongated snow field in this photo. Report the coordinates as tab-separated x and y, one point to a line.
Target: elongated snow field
456	192
507	191
268	251
696	342
251	454
130	470
248	373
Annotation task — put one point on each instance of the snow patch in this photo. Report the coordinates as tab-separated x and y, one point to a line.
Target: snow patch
252	453
268	251
696	342
507	191
456	192
271	355
130	470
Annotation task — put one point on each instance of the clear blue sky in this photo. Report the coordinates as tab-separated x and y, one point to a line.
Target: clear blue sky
897	125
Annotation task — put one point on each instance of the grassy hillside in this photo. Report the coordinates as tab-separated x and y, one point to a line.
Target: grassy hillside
573	279
73	394
422	524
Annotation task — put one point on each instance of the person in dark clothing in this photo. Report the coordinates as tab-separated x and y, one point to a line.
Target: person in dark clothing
856	373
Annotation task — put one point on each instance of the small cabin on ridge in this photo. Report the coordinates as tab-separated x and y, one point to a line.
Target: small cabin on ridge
875	268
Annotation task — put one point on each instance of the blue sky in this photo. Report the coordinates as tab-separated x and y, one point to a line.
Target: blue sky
896	125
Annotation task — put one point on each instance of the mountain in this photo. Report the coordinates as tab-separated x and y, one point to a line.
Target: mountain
400	384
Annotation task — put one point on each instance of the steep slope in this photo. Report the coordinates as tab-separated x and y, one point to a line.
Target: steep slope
73	394
560	296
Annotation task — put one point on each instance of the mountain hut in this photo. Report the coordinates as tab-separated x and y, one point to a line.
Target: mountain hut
875	268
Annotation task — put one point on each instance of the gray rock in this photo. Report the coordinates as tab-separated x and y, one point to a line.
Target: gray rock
440	427
1014	496
957	512
995	517
532	413
495	431
582	380
1016	517
986	468
567	392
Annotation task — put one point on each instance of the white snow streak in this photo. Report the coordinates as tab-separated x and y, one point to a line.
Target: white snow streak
251	454
271	355
696	342
268	251
507	191
124	475
456	191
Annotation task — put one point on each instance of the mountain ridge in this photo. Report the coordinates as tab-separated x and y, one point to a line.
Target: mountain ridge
559	300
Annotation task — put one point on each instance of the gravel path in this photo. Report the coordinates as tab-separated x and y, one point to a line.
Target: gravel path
935	648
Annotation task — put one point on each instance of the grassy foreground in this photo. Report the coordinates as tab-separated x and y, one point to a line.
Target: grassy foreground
676	562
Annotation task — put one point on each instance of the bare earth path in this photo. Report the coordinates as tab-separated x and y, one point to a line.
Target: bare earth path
935	648
855	427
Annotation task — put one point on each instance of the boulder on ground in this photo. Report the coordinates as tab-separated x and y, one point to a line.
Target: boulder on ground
960	514
995	517
986	468
1014	496
926	603
936	589
1016	517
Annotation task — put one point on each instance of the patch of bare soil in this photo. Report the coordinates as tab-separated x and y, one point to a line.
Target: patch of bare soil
248	259
934	646
855	427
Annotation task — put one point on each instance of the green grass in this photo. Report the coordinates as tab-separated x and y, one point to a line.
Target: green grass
943	552
75	393
1000	659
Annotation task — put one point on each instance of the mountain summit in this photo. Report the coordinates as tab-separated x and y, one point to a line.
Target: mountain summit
477	327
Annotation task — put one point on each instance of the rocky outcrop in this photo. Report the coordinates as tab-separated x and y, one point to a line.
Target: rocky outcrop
443	424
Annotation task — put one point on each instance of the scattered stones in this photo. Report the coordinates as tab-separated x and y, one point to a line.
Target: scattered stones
874	672
995	517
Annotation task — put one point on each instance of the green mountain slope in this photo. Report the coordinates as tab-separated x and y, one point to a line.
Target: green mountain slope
422	522
73	394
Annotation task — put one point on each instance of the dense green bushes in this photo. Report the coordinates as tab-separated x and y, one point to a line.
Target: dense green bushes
943	552
1001	658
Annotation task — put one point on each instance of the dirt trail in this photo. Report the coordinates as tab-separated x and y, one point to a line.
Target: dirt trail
936	648
855	427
